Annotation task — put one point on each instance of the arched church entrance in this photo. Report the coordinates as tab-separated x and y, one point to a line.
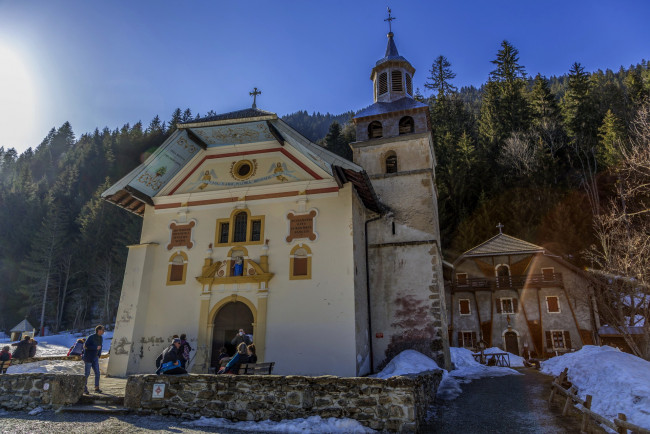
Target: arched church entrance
512	344
227	322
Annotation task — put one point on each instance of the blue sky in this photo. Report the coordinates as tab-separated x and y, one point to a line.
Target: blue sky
101	64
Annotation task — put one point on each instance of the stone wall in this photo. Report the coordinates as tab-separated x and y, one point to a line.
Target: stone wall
28	391
398	404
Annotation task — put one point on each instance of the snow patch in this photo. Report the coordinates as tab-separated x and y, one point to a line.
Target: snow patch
407	362
49	367
313	424
35	411
618	382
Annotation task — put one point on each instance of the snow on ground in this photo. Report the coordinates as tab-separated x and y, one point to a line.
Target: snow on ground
59	344
618	382
467	369
55	367
313	424
515	360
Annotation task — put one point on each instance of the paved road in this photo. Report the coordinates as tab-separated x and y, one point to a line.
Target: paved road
511	404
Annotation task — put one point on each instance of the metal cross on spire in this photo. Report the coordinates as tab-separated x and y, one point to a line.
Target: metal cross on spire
500	226
254	94
390	19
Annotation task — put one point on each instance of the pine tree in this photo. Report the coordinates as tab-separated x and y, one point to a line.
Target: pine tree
440	78
611	135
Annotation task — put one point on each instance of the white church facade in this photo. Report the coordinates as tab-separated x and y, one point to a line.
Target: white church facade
332	266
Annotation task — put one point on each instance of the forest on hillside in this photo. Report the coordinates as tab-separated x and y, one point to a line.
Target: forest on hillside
536	154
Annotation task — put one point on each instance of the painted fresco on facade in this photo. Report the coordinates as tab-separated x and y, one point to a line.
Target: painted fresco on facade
252	132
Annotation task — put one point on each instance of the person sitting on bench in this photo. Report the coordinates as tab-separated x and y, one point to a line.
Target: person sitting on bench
251	357
233	365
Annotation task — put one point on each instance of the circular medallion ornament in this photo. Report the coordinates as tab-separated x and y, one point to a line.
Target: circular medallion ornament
243	169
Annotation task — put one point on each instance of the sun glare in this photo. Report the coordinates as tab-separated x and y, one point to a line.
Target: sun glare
17	110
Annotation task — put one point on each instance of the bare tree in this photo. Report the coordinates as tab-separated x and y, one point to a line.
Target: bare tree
518	153
622	253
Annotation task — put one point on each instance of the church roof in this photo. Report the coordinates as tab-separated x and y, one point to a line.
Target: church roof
23	326
503	244
247	113
133	191
379	108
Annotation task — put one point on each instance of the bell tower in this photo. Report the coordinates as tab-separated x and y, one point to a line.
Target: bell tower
395	147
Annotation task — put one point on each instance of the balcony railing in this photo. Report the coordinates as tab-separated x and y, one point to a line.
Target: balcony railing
509	282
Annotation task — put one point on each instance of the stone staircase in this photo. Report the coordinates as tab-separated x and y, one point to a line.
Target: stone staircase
98	403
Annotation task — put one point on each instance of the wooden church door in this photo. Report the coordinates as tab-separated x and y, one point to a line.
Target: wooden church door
512	346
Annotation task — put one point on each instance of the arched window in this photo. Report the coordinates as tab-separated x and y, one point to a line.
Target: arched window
177	269
241	221
409	85
502	271
375	130
406	125
240	228
382	83
300	263
396	81
391	162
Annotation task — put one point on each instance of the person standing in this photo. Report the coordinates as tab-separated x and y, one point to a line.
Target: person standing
92	351
241	337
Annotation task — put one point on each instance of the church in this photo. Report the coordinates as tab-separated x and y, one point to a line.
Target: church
332	266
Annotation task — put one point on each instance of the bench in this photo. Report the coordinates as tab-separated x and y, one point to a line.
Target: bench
256	368
4	366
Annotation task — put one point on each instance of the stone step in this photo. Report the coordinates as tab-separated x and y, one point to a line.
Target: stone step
101	399
104	409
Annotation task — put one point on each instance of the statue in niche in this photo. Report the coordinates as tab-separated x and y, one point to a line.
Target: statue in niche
238	269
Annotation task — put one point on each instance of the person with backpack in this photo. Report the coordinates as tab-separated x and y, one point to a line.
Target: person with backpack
169	360
77	349
184	351
92	351
22	348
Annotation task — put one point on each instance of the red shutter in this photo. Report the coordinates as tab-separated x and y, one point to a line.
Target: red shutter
553	304
460	339
474	339
177	273
514	305
498	302
300	267
567	340
549	340
464	307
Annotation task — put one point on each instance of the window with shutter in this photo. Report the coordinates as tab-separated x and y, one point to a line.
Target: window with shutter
498	305
256	230
507	305
223	232
300	262
382	84
461	279
177	269
552	304
558	339
549	339
177	273
567	340
547	273
396	81
241	221
464	306
515	305
467	338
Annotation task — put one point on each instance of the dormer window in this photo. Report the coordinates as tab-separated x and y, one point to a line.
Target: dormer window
406	125
391	162
396	81
409	85
382	83
375	130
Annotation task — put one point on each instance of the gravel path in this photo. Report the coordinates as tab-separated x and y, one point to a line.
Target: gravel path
511	404
68	423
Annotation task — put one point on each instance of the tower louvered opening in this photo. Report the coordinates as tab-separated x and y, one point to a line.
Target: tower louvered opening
396	81
382	83
409	84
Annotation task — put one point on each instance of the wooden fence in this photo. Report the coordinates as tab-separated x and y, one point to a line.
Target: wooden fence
561	386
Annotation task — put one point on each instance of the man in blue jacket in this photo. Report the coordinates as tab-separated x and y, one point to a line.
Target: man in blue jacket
92	351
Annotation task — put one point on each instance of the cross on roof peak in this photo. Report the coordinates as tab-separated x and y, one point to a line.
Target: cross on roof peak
254	94
500	226
390	19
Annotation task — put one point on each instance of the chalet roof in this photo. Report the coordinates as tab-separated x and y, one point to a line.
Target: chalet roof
502	244
129	193
23	326
379	108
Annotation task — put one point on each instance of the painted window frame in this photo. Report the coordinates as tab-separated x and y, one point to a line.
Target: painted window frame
471	339
466	278
292	258
231	229
512	306
559	308
561	333
169	268
469	307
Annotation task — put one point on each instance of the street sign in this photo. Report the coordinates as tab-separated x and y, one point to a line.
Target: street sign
158	391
